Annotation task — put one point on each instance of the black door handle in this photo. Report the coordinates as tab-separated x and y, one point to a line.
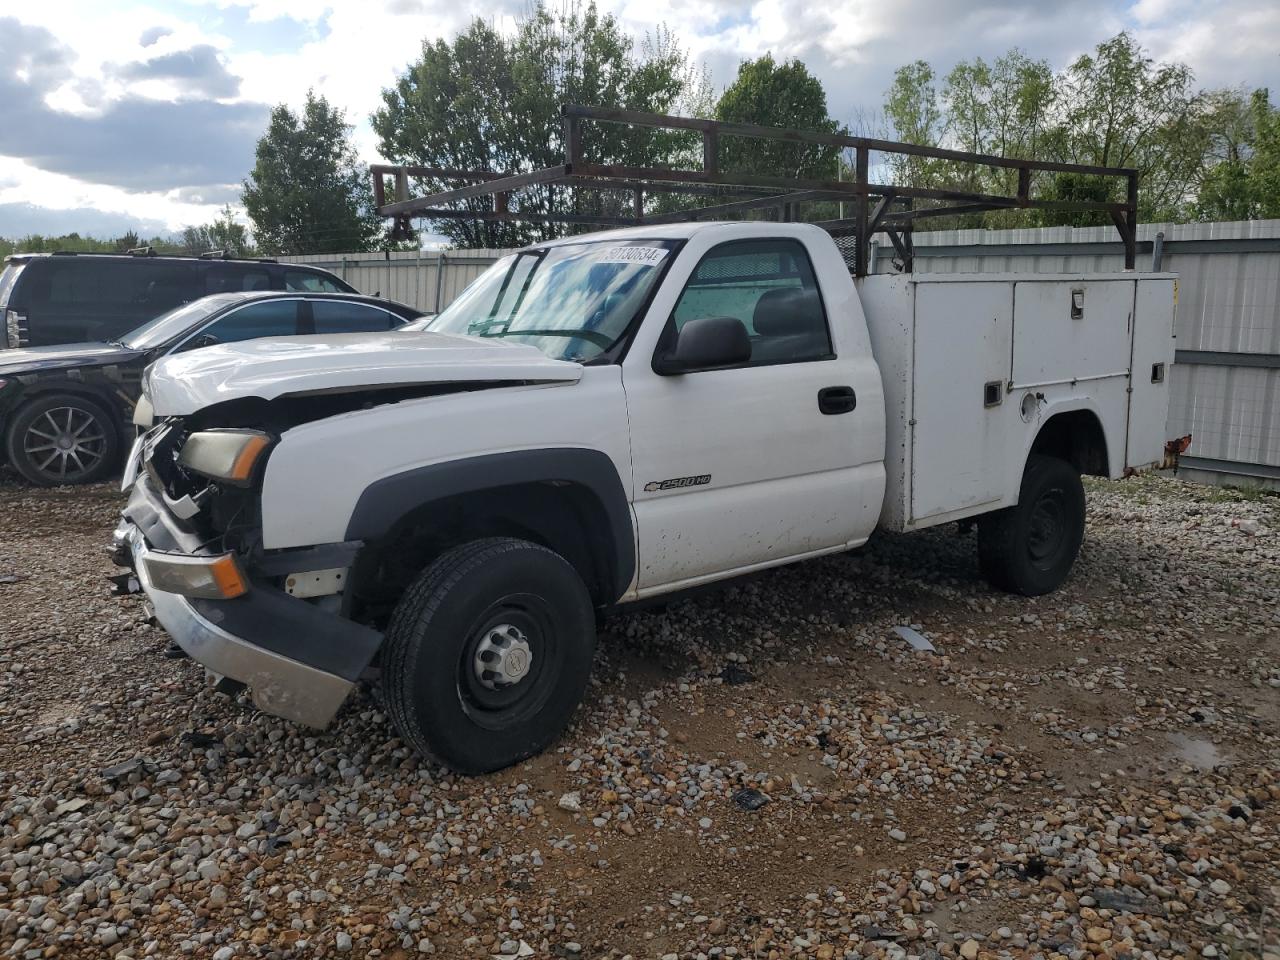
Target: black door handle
833	400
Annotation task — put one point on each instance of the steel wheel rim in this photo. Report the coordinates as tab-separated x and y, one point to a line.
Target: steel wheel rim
1048	528
499	706
65	443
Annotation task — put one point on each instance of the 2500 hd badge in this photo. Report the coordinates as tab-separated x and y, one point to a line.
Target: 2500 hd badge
677	483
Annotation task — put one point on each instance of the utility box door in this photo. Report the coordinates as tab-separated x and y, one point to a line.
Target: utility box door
1070	329
1153	332
963	342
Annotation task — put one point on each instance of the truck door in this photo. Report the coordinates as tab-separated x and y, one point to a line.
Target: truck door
772	459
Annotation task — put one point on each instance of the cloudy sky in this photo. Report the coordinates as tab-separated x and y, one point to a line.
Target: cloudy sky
116	114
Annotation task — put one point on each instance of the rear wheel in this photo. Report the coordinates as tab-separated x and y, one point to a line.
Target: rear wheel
1030	549
488	654
63	439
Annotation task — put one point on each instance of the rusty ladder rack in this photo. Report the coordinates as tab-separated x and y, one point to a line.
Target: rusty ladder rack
893	213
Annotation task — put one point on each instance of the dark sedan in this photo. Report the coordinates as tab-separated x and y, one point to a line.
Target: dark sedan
64	410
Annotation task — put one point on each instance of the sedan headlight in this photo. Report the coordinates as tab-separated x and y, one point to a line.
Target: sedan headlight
143	415
227	455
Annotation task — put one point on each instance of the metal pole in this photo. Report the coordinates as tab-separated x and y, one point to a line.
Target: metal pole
417	279
440	261
861	214
1157	253
874	248
840	177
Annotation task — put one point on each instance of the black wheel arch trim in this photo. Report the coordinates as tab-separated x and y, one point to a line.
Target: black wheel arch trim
385	502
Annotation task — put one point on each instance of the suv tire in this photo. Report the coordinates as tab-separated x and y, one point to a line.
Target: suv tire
488	654
1030	548
63	439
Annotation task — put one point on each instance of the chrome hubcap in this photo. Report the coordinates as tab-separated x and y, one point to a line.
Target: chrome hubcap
503	657
65	442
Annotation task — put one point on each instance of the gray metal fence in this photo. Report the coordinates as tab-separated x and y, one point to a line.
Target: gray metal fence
1225	384
428	280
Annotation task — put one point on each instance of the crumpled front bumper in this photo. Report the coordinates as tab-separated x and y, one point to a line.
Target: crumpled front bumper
298	661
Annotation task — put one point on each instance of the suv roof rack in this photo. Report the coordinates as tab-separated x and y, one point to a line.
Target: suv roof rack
150	251
894	212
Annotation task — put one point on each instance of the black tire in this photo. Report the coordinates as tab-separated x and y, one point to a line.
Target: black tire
1029	549
437	696
63	439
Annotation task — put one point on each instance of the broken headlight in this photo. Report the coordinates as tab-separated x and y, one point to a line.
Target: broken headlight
228	455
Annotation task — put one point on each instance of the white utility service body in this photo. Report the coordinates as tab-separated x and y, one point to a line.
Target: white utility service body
796	413
940	339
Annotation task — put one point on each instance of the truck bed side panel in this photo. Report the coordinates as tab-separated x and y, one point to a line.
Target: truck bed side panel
1056	340
962	423
1046	346
1153	342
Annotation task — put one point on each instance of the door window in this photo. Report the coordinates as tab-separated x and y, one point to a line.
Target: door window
230	279
311	282
769	285
149	286
338	316
274	318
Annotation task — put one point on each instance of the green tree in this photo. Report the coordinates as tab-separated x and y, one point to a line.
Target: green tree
223	233
1264	164
1243	179
770	94
1002	108
308	192
485	101
1122	109
1114	106
915	114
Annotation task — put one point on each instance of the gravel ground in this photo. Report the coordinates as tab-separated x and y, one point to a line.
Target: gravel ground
760	771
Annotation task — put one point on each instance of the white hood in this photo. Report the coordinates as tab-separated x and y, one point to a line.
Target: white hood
183	383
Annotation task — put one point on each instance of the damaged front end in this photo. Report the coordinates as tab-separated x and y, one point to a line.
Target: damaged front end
271	619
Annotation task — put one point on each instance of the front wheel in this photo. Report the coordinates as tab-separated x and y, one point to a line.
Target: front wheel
63	439
488	654
1030	548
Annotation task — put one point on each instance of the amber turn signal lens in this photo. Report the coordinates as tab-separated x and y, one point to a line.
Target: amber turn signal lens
242	467
227	576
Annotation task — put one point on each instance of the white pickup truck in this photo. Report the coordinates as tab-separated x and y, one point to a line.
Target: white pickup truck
602	419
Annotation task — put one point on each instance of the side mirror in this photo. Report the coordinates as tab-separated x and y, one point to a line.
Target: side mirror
204	340
706	343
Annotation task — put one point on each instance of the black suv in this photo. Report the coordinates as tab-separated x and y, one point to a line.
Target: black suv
50	298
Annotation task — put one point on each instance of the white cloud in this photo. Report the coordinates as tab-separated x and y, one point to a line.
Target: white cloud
21	182
349	50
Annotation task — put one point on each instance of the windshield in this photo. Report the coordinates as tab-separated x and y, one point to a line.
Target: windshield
572	302
176	322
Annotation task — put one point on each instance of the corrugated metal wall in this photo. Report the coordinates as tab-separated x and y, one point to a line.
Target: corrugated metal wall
427	280
1225	386
1226	383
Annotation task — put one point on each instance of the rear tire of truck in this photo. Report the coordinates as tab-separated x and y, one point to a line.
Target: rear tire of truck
63	439
488	654
1029	549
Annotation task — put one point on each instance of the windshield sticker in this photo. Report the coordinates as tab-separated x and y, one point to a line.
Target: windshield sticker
649	256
